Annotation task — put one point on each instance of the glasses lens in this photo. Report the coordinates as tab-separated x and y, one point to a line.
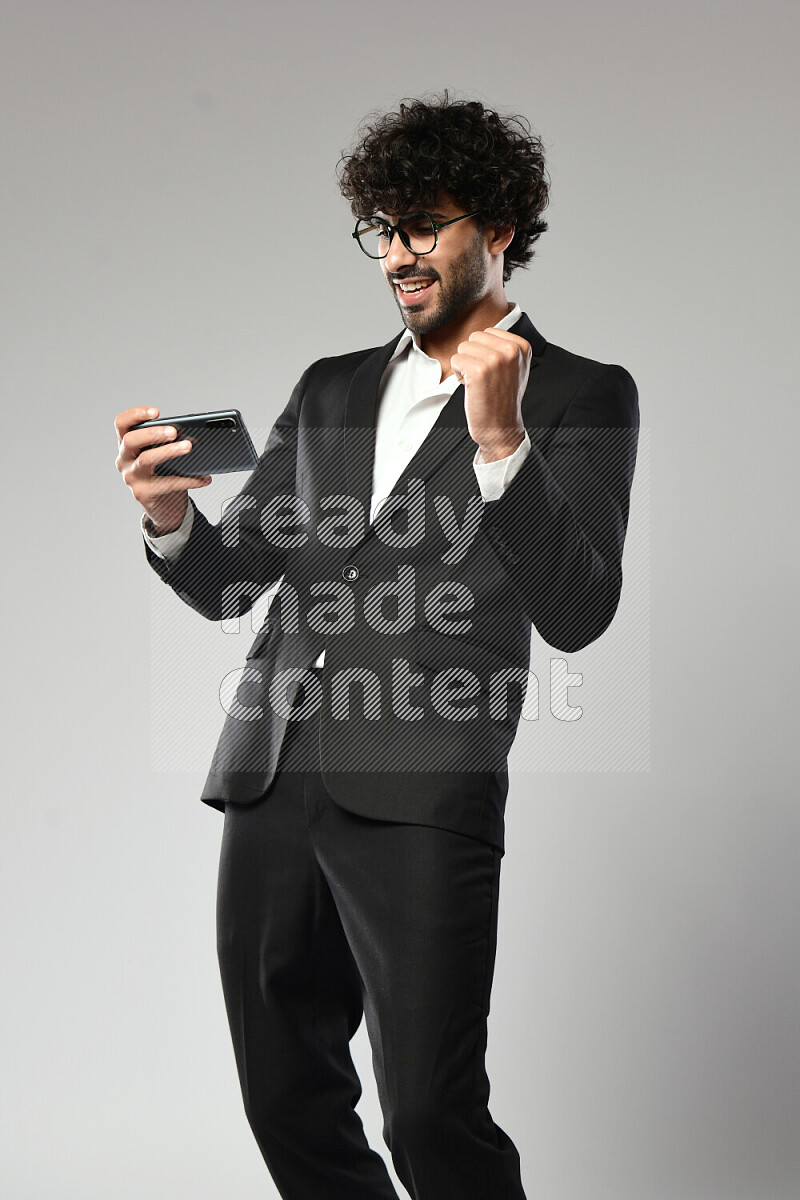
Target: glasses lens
373	238
417	232
420	233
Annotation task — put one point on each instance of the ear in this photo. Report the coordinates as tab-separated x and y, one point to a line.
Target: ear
501	237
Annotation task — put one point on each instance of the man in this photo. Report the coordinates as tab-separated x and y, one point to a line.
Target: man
422	505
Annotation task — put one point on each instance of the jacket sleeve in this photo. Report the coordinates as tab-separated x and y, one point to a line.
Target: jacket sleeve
558	530
224	567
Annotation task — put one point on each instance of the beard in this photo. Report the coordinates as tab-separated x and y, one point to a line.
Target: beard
464	288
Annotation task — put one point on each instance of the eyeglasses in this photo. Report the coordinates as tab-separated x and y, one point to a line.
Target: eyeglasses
418	232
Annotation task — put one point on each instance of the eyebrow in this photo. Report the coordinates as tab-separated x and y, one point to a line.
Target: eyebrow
428	213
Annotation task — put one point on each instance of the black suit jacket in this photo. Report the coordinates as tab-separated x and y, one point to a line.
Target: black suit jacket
415	744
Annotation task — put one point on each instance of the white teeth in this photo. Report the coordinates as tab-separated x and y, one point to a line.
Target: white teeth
413	287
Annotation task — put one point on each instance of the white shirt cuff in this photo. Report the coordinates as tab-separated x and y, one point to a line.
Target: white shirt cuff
494	477
169	545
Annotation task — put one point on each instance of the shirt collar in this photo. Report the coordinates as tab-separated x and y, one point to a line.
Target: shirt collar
407	338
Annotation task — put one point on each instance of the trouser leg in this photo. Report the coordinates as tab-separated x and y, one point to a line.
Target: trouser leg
419	909
293	996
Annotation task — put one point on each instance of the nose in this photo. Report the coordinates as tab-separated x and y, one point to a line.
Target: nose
399	255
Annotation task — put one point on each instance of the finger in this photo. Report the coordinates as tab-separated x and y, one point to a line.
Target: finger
468	368
137	440
482	350
507	336
458	364
150	458
163	485
499	340
132	416
522	345
137	443
474	358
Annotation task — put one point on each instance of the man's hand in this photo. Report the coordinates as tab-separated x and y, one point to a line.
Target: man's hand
163	497
494	366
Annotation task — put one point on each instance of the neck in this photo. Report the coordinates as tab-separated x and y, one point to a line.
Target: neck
443	343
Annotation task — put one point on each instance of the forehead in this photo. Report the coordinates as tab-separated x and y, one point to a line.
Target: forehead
444	206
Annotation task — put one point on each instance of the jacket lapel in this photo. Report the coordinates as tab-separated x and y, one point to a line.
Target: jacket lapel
360	413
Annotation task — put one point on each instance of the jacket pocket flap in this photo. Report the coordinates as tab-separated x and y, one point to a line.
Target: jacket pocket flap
442	651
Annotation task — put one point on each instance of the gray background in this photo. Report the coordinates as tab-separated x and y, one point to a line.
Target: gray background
172	234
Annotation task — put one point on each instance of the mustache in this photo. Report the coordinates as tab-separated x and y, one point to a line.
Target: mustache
410	275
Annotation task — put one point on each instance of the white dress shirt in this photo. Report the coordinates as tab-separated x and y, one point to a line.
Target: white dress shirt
412	394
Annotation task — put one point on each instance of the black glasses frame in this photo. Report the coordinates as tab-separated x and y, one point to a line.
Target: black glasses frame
403	234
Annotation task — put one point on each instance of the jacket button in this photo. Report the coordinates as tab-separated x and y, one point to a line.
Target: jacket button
350	572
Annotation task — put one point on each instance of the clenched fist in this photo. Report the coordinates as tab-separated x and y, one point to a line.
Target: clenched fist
494	366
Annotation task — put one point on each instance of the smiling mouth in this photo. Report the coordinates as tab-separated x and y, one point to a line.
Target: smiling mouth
412	290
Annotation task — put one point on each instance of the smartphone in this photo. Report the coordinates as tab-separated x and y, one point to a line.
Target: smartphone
220	443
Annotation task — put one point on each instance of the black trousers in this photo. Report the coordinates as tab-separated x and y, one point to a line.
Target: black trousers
324	916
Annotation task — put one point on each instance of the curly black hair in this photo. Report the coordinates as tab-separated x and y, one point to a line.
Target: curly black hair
489	164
